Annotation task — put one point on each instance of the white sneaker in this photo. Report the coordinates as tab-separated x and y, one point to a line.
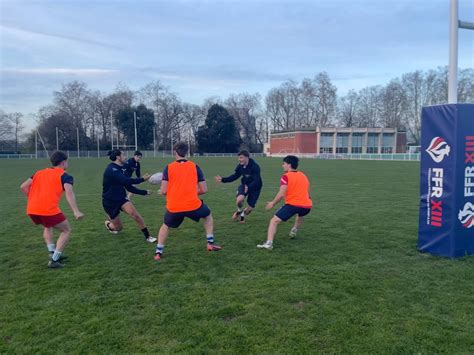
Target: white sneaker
293	232
151	239
108	228
265	245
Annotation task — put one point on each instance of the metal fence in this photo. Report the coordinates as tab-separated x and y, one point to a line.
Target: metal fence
167	153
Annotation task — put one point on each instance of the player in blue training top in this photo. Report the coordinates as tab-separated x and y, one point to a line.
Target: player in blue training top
114	198
133	165
250	185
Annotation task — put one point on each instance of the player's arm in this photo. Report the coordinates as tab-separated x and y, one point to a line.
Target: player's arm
25	187
71	199
232	177
202	185
125	180
164	187
136	191
278	197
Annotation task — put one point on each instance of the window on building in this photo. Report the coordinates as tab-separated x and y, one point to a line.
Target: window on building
388	141
357	142
373	143
342	143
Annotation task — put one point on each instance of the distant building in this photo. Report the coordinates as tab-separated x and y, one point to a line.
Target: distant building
337	140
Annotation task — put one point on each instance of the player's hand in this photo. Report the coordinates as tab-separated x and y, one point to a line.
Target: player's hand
218	178
149	192
78	215
146	177
269	206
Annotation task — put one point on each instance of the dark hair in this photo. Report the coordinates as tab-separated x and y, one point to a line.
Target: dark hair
58	157
113	154
245	153
181	148
292	160
138	153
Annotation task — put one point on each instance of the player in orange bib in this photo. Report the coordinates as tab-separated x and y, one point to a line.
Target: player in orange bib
44	191
294	188
183	182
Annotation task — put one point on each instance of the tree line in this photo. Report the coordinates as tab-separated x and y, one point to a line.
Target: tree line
221	125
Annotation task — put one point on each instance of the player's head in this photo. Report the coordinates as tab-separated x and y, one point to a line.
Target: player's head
116	155
244	157
181	149
137	155
290	162
59	158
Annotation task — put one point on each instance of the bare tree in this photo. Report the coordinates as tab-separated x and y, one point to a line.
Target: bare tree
6	127
368	110
326	93
246	110
393	104
18	126
347	109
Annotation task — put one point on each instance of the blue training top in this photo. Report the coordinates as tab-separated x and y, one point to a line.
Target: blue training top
115	182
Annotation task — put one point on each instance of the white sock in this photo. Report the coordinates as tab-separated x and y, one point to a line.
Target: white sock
56	255
51	247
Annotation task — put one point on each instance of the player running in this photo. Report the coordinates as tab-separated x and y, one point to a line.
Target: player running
114	197
182	182
44	191
294	187
250	185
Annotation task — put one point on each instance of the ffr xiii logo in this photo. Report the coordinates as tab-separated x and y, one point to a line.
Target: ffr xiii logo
438	149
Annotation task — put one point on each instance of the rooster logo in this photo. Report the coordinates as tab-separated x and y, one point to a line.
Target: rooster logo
466	215
438	149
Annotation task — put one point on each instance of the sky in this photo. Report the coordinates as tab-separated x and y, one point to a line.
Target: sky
215	48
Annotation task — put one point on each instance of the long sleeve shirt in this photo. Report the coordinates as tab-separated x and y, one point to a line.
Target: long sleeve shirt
250	175
115	184
130	166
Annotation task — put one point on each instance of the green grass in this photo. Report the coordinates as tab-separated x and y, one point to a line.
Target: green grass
352	281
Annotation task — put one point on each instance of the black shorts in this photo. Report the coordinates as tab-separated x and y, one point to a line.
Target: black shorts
113	208
285	212
174	219
252	196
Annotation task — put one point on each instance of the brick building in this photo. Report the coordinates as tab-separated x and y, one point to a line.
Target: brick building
336	140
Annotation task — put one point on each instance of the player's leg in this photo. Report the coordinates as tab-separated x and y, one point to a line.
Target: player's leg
283	214
298	221
170	220
209	228
48	239
252	198
65	231
114	225
239	202
130	209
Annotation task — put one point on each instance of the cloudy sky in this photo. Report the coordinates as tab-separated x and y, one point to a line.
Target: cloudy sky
214	48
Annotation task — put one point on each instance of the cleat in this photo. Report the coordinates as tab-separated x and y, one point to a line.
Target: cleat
150	239
107	223
292	233
55	264
61	258
236	215
265	246
213	247
157	256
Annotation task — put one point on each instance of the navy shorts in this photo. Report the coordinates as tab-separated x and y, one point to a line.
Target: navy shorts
174	219
285	212
113	208
252	196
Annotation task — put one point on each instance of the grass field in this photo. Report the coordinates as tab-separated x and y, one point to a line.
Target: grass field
351	282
